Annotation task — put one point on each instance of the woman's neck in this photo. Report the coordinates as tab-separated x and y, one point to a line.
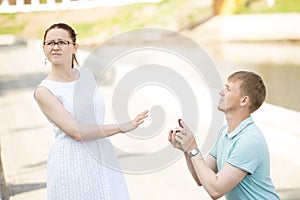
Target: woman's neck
62	74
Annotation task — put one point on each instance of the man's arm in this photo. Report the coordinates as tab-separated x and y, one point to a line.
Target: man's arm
216	184
210	161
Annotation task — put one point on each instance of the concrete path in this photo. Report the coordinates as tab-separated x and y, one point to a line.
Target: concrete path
26	139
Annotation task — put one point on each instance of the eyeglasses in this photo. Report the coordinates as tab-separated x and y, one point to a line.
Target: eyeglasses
60	43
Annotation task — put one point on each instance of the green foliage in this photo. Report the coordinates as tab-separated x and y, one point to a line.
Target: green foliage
260	6
170	14
173	14
9	25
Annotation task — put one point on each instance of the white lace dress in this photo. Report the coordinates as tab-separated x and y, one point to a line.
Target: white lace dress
78	170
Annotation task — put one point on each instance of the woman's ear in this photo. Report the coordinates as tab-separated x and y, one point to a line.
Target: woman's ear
76	48
44	49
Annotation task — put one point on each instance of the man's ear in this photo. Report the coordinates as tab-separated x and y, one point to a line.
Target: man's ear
245	101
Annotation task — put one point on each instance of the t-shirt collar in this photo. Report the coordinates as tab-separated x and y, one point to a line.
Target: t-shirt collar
240	127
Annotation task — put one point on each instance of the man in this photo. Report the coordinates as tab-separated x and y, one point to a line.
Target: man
239	165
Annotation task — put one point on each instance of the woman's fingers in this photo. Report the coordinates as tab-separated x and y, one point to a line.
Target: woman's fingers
140	117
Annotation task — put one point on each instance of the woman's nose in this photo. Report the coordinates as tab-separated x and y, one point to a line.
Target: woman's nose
56	46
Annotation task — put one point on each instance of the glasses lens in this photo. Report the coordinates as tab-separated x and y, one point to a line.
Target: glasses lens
59	43
51	43
62	43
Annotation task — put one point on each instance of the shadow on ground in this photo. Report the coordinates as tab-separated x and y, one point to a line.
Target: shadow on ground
20	82
21	188
289	193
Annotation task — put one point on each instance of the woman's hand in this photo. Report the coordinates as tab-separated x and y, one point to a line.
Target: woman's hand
131	125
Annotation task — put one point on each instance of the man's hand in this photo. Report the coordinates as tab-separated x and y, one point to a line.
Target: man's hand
172	140
182	139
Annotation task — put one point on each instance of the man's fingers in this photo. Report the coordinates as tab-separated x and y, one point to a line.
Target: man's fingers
180	134
170	135
179	122
178	139
184	126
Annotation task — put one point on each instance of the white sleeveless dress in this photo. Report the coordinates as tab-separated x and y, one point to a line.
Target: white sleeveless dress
82	170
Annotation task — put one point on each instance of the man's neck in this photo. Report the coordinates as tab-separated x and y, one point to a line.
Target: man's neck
234	119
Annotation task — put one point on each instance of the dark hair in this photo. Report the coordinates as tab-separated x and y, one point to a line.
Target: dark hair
72	35
253	86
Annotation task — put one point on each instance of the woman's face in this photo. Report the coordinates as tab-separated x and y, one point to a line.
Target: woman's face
59	47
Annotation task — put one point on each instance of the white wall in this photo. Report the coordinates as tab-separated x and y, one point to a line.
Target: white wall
35	5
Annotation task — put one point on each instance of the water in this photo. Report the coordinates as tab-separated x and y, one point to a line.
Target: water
277	63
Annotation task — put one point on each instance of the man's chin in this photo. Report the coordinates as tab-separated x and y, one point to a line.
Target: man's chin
221	109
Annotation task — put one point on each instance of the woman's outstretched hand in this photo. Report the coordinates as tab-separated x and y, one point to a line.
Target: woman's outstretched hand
131	125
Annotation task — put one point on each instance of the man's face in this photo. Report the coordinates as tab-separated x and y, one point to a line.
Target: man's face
230	97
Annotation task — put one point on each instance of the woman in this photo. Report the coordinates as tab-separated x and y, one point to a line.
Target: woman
82	163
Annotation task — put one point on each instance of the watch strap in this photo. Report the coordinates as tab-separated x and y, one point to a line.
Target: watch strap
194	152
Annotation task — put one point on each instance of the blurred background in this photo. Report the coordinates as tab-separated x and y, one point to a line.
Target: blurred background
257	35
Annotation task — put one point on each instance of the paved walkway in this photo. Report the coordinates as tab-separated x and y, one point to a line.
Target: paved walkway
26	139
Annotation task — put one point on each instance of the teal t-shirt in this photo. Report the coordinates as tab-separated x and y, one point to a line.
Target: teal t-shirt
246	148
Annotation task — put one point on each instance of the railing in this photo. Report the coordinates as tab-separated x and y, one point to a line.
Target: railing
36	5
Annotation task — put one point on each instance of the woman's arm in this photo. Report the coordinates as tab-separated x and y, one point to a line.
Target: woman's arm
55	111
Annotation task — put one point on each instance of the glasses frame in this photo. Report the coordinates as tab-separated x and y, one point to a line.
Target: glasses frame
60	43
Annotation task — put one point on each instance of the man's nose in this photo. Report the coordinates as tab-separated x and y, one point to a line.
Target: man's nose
222	93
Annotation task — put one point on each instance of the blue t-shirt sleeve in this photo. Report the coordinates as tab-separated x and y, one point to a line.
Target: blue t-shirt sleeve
247	154
214	152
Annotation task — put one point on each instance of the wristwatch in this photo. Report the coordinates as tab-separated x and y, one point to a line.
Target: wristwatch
194	152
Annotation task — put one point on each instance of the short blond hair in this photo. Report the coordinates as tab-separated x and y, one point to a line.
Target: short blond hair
252	86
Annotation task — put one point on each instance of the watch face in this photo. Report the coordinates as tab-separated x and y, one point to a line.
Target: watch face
194	152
